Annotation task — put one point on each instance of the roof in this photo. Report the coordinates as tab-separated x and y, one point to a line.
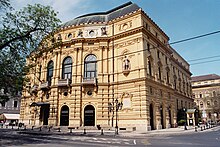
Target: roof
205	77
9	116
114	13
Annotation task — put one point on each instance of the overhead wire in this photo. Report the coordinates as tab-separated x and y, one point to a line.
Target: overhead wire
203	58
205	62
154	47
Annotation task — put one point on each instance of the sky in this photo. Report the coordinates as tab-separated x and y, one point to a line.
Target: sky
179	19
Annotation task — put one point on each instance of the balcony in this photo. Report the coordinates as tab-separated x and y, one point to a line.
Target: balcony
90	81
126	71
44	85
64	82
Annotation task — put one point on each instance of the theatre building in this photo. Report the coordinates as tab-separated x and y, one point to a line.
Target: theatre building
108	67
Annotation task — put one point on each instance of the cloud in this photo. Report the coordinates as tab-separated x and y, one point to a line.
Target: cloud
67	9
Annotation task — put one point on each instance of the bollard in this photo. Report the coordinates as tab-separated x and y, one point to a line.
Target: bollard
195	128
70	130
102	132
12	127
204	127
40	128
59	130
25	128
201	128
84	131
32	128
49	129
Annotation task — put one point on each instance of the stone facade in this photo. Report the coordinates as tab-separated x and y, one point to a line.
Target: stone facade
206	92
119	54
12	106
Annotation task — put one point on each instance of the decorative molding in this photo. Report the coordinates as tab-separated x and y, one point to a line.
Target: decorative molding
125	26
91	49
67	52
127	43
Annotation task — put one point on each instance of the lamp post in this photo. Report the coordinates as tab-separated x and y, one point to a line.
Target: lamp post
215	115
185	116
196	117
118	106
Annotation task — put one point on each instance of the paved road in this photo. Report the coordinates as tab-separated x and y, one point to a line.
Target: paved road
13	138
208	138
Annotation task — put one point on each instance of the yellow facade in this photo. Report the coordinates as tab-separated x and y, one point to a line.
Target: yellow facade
123	57
206	92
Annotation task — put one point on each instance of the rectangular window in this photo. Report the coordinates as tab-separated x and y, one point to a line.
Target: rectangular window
158	54
15	104
168	78
159	73
177	104
175	83
40	68
151	90
148	47
200	95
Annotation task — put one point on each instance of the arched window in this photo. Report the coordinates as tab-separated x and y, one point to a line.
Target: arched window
214	93
50	72
67	68
208	103
90	69
201	104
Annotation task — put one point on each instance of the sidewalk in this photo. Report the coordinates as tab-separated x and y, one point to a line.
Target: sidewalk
162	132
170	131
111	133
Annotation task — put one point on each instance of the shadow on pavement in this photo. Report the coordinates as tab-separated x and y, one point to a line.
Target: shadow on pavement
14	138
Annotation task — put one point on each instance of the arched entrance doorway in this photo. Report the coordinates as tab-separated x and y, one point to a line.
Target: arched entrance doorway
89	116
161	115
152	117
64	116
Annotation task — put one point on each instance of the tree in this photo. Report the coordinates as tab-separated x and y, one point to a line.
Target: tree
21	32
4	4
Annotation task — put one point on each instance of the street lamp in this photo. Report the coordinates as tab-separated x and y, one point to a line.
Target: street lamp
185	116
215	115
196	117
118	106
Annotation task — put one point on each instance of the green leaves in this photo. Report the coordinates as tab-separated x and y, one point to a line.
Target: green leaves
27	27
21	32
